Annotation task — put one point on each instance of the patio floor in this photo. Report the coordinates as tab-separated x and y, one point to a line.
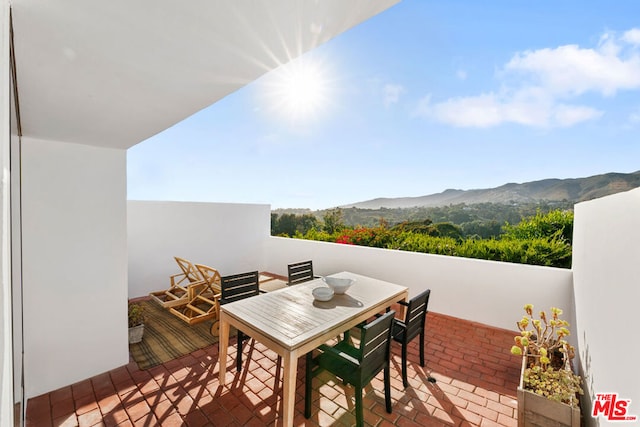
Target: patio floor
476	386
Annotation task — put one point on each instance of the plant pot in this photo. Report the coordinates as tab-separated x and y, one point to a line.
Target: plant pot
535	410
135	334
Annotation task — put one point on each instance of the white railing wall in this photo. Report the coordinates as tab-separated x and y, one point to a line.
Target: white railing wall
235	238
492	293
606	265
228	237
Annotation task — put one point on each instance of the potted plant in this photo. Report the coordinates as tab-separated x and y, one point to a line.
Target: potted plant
549	389
136	322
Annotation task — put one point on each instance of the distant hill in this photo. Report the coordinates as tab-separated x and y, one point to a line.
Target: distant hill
552	190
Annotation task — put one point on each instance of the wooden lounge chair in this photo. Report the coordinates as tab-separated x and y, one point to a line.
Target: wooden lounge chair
202	298
177	293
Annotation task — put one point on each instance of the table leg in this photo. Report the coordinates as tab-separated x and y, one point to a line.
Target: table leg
289	387
223	344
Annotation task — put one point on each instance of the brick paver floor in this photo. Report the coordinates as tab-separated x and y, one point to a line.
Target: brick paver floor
476	380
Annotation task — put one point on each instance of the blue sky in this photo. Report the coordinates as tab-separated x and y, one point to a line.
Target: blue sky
424	97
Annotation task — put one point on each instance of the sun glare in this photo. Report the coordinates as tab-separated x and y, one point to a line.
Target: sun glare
298	91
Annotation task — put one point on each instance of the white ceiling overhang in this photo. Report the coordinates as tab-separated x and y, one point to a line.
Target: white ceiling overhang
114	73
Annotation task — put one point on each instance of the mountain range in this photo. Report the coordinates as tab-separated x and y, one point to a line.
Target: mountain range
552	190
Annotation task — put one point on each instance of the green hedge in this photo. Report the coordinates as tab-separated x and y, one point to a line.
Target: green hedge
538	240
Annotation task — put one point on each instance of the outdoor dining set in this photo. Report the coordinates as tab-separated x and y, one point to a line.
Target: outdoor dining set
307	316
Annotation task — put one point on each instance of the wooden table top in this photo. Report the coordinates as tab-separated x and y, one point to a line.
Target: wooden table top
292	317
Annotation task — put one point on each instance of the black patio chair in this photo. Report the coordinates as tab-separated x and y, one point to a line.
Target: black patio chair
237	287
355	366
411	327
300	272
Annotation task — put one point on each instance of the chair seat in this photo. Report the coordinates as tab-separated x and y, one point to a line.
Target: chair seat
342	365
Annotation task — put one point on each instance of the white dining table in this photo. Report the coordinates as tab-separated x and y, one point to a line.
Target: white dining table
291	322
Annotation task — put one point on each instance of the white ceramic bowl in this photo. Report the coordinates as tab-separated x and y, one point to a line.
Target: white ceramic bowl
338	284
322	293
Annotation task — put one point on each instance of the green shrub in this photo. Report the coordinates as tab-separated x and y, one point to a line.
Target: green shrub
540	240
556	224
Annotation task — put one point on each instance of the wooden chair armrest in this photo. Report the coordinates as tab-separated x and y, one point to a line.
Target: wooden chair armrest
173	277
340	355
205	299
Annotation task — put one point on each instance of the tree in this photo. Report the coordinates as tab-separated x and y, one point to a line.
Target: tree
306	222
287	224
333	221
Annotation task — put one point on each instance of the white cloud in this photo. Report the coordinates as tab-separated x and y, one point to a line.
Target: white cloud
632	36
547	80
568	115
570	70
488	110
392	93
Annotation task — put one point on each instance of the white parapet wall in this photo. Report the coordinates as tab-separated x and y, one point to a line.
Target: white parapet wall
492	293
235	237
228	237
606	264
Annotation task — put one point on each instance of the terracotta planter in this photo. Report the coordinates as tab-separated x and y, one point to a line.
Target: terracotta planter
534	410
135	334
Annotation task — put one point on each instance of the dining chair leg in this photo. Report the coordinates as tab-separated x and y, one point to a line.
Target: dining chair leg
405	381
308	377
239	357
387	388
422	348
359	408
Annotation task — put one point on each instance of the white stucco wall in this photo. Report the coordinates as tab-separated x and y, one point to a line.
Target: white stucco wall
235	238
607	293
488	292
225	236
6	347
74	262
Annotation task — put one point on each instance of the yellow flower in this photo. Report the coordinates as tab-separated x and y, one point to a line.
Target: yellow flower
516	350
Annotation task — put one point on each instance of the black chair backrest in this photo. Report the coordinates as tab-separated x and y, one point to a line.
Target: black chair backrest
416	314
239	286
300	272
375	346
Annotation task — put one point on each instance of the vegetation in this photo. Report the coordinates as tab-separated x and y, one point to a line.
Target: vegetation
548	372
136	314
544	238
484	220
